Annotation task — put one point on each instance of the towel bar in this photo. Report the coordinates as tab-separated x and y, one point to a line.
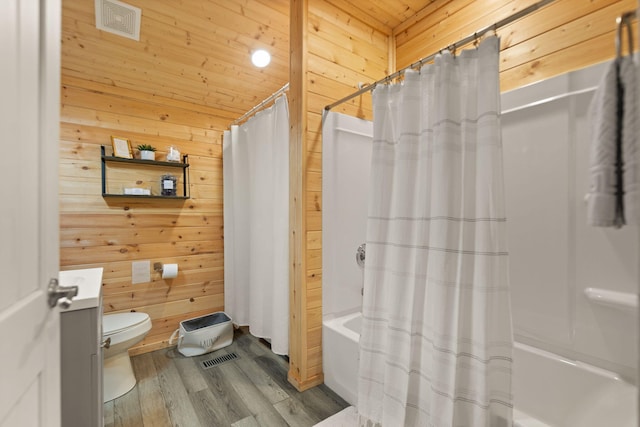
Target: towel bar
626	301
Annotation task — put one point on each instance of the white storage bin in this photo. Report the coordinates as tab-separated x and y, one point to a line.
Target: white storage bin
203	334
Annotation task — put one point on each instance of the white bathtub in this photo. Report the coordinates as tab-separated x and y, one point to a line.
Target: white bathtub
340	338
548	389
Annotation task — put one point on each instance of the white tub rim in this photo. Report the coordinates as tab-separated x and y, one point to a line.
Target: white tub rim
337	324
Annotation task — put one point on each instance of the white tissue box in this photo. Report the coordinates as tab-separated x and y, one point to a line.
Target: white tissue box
137	191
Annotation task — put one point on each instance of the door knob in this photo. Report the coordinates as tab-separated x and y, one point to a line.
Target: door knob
60	295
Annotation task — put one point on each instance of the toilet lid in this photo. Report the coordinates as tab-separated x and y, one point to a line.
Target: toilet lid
114	323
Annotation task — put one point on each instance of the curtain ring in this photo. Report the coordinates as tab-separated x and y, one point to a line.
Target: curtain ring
475	40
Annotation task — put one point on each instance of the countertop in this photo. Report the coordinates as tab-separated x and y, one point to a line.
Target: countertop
89	283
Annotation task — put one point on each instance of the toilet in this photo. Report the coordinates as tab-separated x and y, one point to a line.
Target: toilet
123	330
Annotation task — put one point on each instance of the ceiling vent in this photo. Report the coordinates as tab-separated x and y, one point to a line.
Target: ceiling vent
118	18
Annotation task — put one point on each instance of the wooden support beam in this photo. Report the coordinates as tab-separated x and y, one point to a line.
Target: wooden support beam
297	120
301	374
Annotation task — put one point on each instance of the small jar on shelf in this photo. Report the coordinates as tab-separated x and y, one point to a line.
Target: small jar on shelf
173	154
168	185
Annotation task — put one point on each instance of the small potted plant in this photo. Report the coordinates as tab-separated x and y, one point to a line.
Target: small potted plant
147	151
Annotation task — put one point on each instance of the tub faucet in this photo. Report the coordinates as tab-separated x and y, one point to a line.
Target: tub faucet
361	254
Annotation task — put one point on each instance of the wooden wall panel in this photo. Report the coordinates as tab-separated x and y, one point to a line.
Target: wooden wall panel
112	233
563	36
182	84
340	52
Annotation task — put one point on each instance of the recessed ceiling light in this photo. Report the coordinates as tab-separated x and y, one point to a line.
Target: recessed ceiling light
261	58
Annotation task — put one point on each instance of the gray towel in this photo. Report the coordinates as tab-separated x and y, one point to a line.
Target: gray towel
630	133
604	203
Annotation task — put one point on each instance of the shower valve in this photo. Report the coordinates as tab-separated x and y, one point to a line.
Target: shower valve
361	254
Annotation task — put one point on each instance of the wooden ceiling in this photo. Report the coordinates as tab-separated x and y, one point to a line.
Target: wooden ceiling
198	51
195	51
385	15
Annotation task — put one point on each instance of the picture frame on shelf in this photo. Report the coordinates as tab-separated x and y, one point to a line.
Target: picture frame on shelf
121	147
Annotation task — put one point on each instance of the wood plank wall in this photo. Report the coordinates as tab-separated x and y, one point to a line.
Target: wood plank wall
348	44
158	91
565	35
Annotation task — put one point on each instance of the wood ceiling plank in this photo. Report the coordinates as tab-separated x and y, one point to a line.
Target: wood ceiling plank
383	21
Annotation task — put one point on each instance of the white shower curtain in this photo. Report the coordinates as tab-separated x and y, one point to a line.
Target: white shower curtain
256	224
436	340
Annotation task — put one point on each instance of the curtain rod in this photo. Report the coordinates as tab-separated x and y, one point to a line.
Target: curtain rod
270	98
475	36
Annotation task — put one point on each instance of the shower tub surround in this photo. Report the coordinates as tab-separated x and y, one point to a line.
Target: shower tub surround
549	390
574	360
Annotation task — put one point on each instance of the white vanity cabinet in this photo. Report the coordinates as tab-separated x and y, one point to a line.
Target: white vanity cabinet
81	352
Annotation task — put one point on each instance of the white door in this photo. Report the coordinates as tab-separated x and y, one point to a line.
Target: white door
29	254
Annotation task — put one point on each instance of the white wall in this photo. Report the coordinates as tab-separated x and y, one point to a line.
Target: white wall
555	255
346	162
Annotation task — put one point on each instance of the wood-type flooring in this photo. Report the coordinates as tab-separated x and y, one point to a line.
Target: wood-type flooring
250	391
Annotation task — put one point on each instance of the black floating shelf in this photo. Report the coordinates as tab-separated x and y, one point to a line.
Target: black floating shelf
144	196
146	162
155	163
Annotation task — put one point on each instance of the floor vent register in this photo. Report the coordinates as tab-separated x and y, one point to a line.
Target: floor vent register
206	364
